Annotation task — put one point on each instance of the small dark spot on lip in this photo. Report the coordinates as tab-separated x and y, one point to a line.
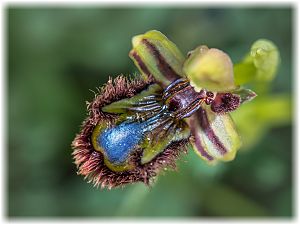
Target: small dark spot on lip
174	105
210	94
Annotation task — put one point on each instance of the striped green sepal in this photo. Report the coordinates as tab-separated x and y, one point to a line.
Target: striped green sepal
154	54
214	137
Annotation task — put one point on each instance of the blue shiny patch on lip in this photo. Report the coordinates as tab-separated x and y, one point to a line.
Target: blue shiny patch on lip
118	142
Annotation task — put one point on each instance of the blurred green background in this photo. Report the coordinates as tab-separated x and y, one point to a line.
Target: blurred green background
56	55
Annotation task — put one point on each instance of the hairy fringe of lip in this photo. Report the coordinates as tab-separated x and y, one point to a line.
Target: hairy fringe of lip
90	163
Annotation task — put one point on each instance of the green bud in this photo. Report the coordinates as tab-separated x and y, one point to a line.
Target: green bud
266	59
260	64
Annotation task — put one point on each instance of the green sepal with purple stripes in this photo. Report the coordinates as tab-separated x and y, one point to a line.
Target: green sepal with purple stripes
155	55
214	137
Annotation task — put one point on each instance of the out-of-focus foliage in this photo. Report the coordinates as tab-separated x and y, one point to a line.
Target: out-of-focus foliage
56	55
258	69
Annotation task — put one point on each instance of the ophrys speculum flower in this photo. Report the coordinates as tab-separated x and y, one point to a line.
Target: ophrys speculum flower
137	127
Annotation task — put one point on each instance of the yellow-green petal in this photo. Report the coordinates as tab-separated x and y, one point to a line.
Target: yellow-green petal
211	69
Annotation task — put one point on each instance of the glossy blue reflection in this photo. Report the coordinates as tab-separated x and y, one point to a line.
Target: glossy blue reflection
119	141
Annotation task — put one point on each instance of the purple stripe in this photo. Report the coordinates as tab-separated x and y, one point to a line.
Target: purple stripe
163	66
204	123
197	142
140	63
